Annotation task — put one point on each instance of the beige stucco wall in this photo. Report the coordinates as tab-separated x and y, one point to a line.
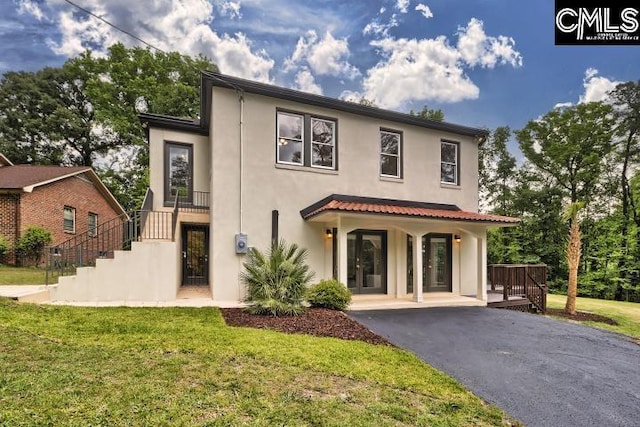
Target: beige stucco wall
201	157
267	186
146	273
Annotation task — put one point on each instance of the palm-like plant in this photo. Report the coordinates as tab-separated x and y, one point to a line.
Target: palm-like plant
574	252
277	280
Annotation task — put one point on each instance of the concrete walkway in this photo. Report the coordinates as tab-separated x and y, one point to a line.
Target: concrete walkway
542	371
20	292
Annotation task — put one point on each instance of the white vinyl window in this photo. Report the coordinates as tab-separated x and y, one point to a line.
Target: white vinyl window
92	223
449	162
390	154
69	223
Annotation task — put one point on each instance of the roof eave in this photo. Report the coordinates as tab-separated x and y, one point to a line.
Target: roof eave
174	123
235	83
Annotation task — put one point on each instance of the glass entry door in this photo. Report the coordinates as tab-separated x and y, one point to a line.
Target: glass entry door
195	254
367	262
437	262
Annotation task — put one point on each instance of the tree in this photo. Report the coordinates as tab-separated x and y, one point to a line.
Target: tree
573	255
429	114
27	100
567	146
85	112
497	172
626	98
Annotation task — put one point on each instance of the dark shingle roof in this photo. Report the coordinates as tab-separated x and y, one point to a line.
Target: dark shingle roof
20	176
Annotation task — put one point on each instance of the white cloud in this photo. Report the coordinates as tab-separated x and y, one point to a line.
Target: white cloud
351	96
433	69
596	88
307	83
173	25
402	5
563	105
30	7
413	69
476	48
379	28
326	56
425	10
231	9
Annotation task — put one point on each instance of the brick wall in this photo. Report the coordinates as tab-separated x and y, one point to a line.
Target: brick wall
45	206
9	208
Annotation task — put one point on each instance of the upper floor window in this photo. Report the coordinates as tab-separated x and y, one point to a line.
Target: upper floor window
92	223
306	140
290	135
69	221
178	171
449	159
390	154
322	143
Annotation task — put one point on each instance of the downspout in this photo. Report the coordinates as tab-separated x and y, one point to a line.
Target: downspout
241	99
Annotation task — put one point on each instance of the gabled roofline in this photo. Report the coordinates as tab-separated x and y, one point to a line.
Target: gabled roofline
5	160
95	179
30	188
210	79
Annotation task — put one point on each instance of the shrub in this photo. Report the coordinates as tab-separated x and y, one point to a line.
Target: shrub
5	247
32	243
276	281
329	294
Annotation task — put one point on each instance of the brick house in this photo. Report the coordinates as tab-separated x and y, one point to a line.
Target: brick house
64	200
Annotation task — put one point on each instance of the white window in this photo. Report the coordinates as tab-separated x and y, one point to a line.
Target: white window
290	134
92	222
390	154
322	143
449	162
69	224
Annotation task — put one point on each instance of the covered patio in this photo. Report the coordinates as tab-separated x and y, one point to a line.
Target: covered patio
377	245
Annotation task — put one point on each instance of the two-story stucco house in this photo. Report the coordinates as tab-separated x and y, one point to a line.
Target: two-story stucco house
385	202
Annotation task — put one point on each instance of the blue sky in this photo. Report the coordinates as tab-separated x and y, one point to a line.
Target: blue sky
485	63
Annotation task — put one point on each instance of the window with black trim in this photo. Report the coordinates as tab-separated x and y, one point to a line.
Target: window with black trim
390	154
69	221
306	140
92	223
178	171
449	162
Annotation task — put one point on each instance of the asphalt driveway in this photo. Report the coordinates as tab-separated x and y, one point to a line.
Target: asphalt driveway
543	372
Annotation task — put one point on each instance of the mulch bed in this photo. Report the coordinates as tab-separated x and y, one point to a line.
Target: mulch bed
581	316
320	322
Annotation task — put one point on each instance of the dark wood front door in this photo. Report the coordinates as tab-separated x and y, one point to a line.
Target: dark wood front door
367	262
436	250
195	254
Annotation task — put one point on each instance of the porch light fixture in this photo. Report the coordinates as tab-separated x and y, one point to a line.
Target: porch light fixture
282	141
329	233
457	238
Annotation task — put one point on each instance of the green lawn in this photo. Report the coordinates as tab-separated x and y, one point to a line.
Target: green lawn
183	366
10	275
627	314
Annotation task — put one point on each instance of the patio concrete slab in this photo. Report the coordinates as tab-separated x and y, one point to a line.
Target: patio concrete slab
542	371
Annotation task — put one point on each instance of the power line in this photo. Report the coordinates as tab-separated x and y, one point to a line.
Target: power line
115	26
130	34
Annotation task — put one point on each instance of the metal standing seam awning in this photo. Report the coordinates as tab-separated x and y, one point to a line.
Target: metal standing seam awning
337	203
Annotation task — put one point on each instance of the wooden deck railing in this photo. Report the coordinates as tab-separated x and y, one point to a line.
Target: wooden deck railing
521	280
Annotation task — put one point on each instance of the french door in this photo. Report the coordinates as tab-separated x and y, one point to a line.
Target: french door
436	250
367	262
